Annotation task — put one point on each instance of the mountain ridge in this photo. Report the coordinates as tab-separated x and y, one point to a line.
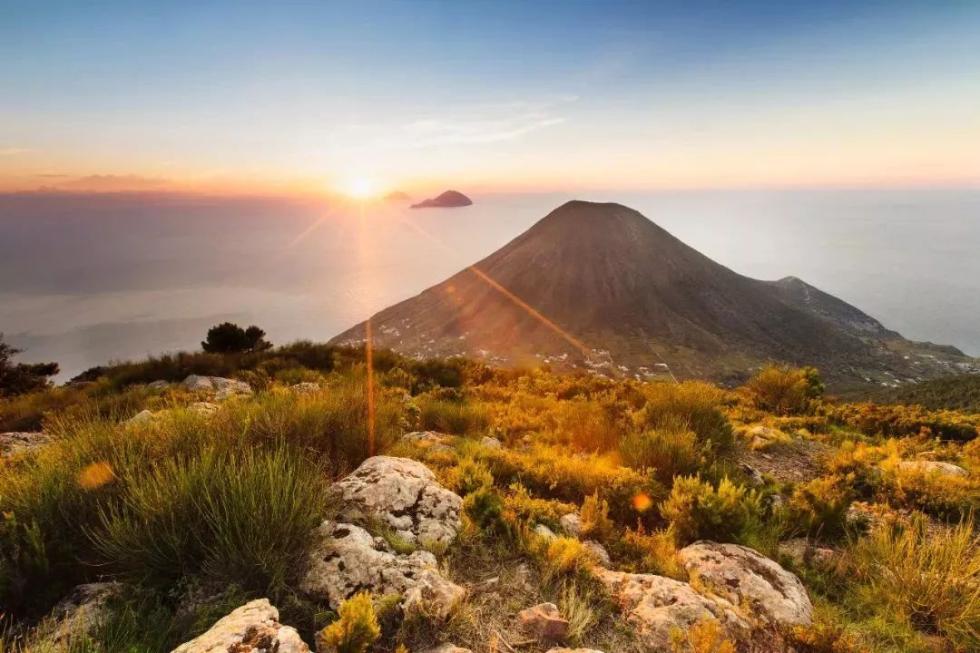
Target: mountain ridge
600	286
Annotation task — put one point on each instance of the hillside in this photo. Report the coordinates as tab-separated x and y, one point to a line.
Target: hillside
960	392
450	507
600	286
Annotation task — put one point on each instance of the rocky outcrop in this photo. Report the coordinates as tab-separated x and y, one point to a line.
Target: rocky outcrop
448	199
18	442
759	586
346	559
543	622
252	628
932	467
81	612
220	386
400	494
655	606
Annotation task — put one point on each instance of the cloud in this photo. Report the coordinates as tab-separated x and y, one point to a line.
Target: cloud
114	183
13	151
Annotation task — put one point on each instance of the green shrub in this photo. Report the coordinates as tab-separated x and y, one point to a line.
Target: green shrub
696	510
671	450
820	506
588	425
693	404
785	390
356	629
456	417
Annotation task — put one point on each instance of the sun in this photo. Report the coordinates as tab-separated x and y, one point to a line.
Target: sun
360	188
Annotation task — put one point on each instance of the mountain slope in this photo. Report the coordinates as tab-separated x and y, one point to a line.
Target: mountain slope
599	285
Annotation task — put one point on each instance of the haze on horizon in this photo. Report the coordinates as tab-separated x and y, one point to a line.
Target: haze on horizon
236	97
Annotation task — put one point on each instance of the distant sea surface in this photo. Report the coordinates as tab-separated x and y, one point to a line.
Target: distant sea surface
89	279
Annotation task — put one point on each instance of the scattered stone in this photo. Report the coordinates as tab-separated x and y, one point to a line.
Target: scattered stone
490	443
543	531
18	442
143	417
403	495
223	387
598	552
305	388
804	552
205	408
432	440
571	524
82	611
749	580
544	622
754	475
158	385
448	648
932	467
656	605
573	650
252	628
346	559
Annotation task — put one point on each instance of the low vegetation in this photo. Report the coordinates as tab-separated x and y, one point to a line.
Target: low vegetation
221	504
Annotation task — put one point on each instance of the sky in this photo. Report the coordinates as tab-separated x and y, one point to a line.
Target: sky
364	97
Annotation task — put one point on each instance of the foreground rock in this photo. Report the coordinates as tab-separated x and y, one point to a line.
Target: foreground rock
81	612
743	577
932	467
346	559
656	605
252	628
403	495
544	622
18	442
222	387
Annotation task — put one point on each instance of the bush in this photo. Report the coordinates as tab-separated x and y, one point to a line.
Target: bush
820	506
696	510
21	378
456	417
669	451
930	577
356	629
785	390
595	518
588	426
692	404
228	338
242	518
654	552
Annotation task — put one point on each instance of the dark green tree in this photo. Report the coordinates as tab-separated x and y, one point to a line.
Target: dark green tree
21	378
229	338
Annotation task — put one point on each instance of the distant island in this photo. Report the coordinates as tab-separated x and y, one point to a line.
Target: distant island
449	199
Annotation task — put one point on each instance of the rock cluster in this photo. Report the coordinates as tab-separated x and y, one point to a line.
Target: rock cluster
252	628
402	495
220	386
17	442
932	467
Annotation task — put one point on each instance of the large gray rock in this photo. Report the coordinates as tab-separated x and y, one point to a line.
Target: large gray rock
759	586
656	605
400	494
571	524
81	612
932	467
18	442
252	628
346	559
220	386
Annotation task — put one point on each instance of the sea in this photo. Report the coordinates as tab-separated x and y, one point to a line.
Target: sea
88	279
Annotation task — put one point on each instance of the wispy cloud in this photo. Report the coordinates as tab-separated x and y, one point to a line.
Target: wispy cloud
13	151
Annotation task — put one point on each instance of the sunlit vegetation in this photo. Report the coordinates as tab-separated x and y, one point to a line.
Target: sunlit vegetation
222	504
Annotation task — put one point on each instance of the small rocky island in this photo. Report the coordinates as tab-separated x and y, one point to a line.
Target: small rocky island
449	199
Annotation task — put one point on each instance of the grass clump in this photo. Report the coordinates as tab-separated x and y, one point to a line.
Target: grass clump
697	510
355	630
671	450
785	390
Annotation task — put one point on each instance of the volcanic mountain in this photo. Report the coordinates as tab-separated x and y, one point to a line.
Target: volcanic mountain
601	287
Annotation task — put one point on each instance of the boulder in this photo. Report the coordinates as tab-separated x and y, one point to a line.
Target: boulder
158	385
932	467
82	611
432	440
142	417
804	552
448	648
305	387
543	622
252	628
346	559
571	524
490	443
18	442
656	605
205	408
598	552
222	387
400	494
544	532
749	580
